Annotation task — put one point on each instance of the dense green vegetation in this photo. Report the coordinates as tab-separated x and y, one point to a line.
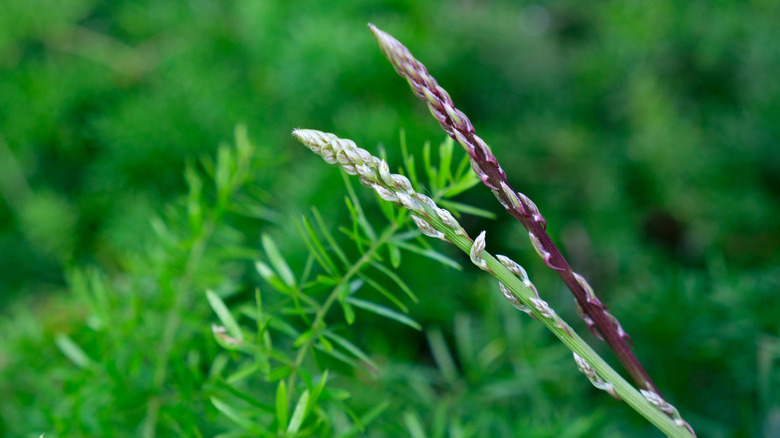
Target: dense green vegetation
646	133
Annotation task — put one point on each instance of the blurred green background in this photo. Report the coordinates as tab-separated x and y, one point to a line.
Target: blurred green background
647	134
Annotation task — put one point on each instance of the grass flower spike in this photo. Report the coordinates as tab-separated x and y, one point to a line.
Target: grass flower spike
513	280
486	166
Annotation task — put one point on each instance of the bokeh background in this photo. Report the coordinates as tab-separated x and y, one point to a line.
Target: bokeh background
647	134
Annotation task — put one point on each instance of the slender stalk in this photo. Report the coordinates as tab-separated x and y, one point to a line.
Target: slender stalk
514	283
485	164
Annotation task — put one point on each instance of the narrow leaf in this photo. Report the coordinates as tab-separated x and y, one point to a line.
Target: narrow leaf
351	348
278	373
384	311
224	315
395	255
382	290
349	312
465	208
299	414
368	417
460	186
445	161
431	254
231	413
408	161
357	210
270	277
244	372
316	391
396	279
278	262
414	425
72	351
430	169
281	404
316	248
303	338
329	237
441	354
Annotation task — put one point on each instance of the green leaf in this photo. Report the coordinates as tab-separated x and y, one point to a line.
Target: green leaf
461	185
316	248
194	207
368	417
389	295
431	254
349	312
445	161
408	161
395	255
218	365
338	355
73	351
384	311
232	413
299	413
244	372
278	262
465	208
270	277
223	173
304	337
316	391
281	404
464	168
353	349
414	425
243	145
430	169
329	237
325	343
441	354
353	204
396	279
279	373
224	315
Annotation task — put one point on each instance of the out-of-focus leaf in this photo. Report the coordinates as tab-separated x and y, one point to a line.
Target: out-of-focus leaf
278	262
384	311
72	351
224	315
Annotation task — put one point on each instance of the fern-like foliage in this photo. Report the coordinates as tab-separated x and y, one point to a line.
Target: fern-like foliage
279	374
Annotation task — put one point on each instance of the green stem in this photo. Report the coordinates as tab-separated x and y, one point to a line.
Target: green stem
323	310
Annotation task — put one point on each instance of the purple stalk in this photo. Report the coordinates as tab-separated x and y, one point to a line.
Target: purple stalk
484	163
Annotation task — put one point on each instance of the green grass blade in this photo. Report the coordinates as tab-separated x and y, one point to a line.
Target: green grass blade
316	248
465	208
396	279
351	348
430	253
232	414
277	261
329	237
384	311
224	315
73	351
281	404
299	413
